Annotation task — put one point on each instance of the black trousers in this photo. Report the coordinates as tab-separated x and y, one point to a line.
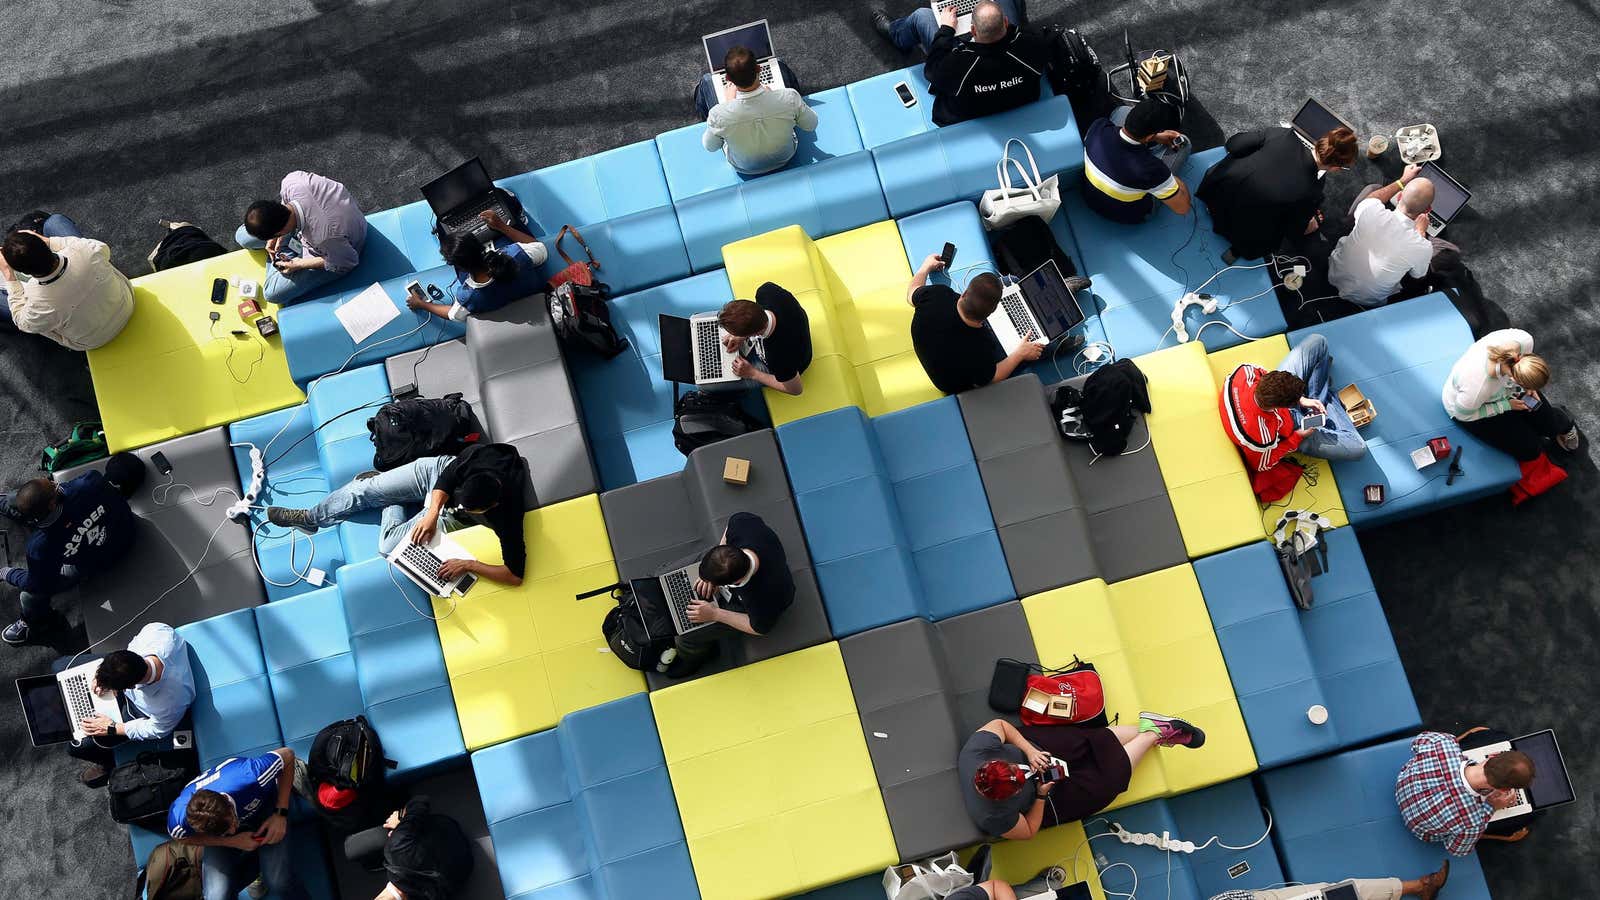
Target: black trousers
1521	433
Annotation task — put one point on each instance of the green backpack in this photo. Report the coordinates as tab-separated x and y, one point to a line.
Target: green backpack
86	443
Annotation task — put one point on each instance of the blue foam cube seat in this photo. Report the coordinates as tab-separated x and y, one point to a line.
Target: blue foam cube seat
233	711
883	118
316	342
294	478
306	645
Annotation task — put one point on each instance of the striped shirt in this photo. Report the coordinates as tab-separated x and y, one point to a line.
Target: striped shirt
1122	175
250	784
1435	800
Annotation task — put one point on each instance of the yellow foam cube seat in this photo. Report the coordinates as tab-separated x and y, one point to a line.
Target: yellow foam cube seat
772	777
1152	642
520	658
172	371
853	289
1018	861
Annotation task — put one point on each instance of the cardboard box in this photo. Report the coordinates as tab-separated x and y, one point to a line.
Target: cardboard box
1361	410
736	471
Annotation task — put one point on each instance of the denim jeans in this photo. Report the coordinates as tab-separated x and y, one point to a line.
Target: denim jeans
55	226
392	492
922	26
284	289
1338	439
1171	157
224	872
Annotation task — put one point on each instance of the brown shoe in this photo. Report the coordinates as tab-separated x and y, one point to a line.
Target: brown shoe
1431	883
94	776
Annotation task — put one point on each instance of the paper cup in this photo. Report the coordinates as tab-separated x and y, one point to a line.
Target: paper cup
1377	146
1318	714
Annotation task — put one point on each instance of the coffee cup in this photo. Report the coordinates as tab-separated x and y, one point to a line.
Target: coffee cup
1318	714
1377	146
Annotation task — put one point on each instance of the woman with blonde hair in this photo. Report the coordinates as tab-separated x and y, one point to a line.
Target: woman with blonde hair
1495	390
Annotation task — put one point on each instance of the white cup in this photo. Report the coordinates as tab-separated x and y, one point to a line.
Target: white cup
1318	714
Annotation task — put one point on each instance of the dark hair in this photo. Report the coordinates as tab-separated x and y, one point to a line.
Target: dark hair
266	219
743	318
209	813
1149	116
29	254
1337	148
125	471
1512	769
724	565
982	296
466	254
997	780
478	492
1278	389
35	499
120	670
739	67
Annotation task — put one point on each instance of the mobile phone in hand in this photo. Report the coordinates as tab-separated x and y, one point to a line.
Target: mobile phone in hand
1530	400
948	254
1315	420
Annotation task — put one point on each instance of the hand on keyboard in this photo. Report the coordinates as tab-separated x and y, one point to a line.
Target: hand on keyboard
732	343
947	15
492	218
454	568
95	725
700	612
1030	349
742	367
425	529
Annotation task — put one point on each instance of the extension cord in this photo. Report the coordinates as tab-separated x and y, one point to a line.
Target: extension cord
1162	841
258	475
1207	304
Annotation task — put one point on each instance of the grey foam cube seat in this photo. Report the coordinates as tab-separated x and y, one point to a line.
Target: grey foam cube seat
1062	515
672	518
176	520
509	367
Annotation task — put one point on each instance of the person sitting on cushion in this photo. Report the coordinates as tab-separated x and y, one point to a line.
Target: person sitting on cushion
752	124
781	322
751	563
951	335
319	211
1446	798
236	809
1386	244
154	677
995	68
74	295
1133	156
486	278
1427	887
1268	189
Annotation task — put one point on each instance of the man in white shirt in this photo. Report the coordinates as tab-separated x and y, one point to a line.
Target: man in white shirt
754	125
1386	244
73	296
153	675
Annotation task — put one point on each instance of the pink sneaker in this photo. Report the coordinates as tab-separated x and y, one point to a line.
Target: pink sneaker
1173	732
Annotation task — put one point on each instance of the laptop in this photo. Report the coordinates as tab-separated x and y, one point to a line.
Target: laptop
1551	784
1449	197
1039	303
1344	890
457	196
1078	890
692	351
421	564
676	587
54	704
1315	120
755	37
963	10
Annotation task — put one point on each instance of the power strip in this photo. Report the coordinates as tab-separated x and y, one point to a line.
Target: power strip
1207	304
1162	841
258	476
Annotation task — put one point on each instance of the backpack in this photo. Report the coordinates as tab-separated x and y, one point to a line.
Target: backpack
86	443
700	419
348	754
181	246
145	786
1075	71
637	633
1025	245
582	320
172	873
1301	556
407	430
1110	396
1073	694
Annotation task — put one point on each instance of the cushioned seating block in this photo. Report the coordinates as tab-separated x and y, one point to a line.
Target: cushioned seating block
692	170
417	238
956	162
306	647
520	657
233	706
1210	492
722	736
1400	356
316	342
1323	497
1336	818
881	117
206	377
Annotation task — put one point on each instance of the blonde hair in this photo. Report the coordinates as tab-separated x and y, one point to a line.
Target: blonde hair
1527	369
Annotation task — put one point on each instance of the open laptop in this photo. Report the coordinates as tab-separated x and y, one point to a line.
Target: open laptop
674	590
1344	890
1039	303
753	36
963	10
1551	784
421	564
692	351
1315	120
54	704
459	195
1449	197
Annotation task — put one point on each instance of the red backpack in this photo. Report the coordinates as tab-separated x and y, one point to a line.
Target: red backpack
1072	695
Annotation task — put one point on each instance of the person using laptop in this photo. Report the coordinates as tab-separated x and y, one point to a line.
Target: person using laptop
1427	887
483	485
1268	189
750	562
73	296
1269	414
82	527
752	124
238	807
995	68
153	676
1447	798
781	322
1385	245
487	278
1133	156
1003	769
329	226
949	333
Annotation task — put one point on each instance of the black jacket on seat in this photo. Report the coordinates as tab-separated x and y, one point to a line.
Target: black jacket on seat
970	80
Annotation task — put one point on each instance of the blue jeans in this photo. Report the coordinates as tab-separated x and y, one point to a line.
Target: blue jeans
1338	439
35	606
284	289
55	226
1171	157
392	492
922	26
224	872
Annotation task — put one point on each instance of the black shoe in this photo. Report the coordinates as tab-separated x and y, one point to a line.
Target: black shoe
94	776
881	23
1078	284
687	664
284	517
16	633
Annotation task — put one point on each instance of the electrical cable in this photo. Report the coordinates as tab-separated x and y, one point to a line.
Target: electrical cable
454	601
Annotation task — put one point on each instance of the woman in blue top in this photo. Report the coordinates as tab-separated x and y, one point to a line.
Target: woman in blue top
487	278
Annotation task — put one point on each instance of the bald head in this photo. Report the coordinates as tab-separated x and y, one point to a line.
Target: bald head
1417	197
988	22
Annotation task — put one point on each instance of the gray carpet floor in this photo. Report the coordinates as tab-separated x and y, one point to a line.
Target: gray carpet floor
120	112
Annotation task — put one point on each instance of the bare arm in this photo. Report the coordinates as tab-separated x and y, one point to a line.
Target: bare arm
1179	202
736	620
1028	823
506	228
920	277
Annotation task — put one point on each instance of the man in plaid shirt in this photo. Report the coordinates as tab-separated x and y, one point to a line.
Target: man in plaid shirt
1447	798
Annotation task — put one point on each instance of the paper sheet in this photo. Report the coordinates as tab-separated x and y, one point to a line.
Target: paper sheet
366	312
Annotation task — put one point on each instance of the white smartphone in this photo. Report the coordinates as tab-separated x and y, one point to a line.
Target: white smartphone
903	90
1315	420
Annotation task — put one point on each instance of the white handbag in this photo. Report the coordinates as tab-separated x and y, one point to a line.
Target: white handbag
1007	203
929	879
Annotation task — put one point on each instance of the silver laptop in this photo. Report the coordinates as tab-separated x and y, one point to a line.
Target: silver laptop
55	707
753	36
713	362
1315	120
1040	304
677	588
963	10
1449	197
1344	890
421	563
1551	786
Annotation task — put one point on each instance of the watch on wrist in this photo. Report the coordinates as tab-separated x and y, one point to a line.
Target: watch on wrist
281	811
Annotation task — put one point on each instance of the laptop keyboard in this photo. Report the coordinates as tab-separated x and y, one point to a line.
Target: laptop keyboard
424	563
962	7
468	215
80	700
1017	311
768	72
680	593
708	349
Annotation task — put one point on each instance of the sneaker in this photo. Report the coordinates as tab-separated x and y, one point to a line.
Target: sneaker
1568	440
94	776
370	473
881	23
291	518
15	633
1078	284
1172	731
257	889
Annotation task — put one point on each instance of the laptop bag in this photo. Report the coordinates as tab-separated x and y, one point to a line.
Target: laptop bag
701	419
145	786
582	320
637	633
404	431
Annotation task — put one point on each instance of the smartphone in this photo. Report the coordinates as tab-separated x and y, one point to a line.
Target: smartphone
219	291
907	99
1056	772
159	460
415	287
1530	399
948	254
435	293
1315	420
465	584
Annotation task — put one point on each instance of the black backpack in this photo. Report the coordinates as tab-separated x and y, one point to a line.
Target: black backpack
145	787
348	755
700	419
407	430
582	320
1110	396
637	633
1075	71
1025	245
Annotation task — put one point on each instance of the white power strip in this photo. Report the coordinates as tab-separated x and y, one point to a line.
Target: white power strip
1163	841
258	475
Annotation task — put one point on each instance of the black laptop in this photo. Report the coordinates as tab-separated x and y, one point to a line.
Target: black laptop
459	195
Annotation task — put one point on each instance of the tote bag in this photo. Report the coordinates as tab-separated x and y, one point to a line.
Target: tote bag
1008	202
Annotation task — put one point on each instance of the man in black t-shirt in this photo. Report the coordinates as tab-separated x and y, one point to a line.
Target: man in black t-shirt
781	322
751	564
951	335
483	485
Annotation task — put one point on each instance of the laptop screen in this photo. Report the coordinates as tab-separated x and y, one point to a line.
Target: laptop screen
753	37
1342	891
43	708
1551	785
1052	304
677	349
1448	194
457	187
1315	120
